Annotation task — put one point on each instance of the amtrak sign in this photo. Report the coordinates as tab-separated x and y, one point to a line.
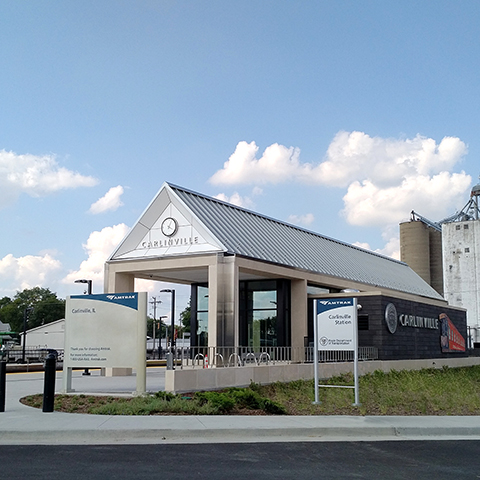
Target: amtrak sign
108	331
336	323
335	328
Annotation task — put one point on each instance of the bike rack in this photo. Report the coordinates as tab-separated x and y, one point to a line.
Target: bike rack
197	356
237	358
262	356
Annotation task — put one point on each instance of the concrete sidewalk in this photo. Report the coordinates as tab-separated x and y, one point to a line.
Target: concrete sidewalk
25	425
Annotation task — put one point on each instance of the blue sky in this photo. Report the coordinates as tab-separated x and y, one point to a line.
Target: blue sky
339	116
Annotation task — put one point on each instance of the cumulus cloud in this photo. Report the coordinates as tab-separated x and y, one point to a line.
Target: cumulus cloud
433	196
36	176
277	164
99	246
383	178
356	156
236	199
351	156
303	220
391	248
19	273
109	202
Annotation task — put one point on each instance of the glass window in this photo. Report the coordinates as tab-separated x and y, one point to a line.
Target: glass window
201	315
202	329
264	312
265	300
202	302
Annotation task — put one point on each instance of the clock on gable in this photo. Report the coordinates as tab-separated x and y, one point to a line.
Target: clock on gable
169	227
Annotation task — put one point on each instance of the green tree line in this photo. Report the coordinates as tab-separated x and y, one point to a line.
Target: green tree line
41	304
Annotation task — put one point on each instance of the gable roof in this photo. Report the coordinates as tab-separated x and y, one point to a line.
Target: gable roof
238	231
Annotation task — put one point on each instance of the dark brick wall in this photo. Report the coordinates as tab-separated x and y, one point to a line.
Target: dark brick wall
406	342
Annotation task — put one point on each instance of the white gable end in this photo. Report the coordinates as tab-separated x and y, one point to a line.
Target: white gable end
167	227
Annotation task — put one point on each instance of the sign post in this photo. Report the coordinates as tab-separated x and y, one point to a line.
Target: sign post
106	330
335	328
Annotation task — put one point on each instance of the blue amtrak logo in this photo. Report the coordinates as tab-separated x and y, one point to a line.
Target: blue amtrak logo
129	300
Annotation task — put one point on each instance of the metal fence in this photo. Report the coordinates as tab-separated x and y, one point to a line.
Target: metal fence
32	355
219	357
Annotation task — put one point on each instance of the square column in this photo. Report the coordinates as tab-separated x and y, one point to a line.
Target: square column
223	295
118	282
299	318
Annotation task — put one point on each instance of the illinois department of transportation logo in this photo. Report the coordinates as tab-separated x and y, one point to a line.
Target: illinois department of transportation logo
323	341
391	317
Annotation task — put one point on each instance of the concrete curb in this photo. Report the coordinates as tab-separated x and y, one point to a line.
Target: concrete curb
236	435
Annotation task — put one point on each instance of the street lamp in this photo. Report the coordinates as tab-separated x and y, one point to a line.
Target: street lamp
89	285
160	336
26	313
172	342
89	292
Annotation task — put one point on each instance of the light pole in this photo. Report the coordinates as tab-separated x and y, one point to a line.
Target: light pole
26	313
160	335
88	292
172	341
89	285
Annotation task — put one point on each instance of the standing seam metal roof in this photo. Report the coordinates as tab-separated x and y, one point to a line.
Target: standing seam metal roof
250	234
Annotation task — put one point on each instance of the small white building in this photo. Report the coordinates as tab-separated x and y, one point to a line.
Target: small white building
51	335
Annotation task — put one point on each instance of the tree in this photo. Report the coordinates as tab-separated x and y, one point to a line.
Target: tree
46	308
185	317
158	326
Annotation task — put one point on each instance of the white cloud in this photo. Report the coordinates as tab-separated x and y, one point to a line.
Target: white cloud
384	178
277	164
28	272
304	220
356	156
351	156
36	176
109	202
367	204
391	248
236	199
99	247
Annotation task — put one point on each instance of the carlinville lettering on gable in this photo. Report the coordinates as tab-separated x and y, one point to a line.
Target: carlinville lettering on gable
170	242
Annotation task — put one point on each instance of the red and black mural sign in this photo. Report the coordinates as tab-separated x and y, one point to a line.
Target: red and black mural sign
451	340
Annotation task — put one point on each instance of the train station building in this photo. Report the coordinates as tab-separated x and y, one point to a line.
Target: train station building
253	280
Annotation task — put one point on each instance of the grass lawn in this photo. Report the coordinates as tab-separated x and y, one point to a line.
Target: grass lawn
446	391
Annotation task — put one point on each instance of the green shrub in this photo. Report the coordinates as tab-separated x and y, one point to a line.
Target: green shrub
220	401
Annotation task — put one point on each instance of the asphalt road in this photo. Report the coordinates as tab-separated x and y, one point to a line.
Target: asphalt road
413	460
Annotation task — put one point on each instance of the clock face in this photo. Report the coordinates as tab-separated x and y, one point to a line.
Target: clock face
169	226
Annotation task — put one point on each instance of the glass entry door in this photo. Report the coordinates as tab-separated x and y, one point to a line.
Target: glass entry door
261	314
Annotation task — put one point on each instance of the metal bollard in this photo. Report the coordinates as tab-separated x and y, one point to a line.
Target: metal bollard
49	382
3	384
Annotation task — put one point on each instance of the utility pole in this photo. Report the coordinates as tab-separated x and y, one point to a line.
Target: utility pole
154	302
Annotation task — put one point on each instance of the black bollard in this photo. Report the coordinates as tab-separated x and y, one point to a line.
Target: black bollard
3	384
49	382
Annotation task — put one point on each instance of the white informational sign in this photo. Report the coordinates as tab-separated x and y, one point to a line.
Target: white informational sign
106	330
335	328
336	323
